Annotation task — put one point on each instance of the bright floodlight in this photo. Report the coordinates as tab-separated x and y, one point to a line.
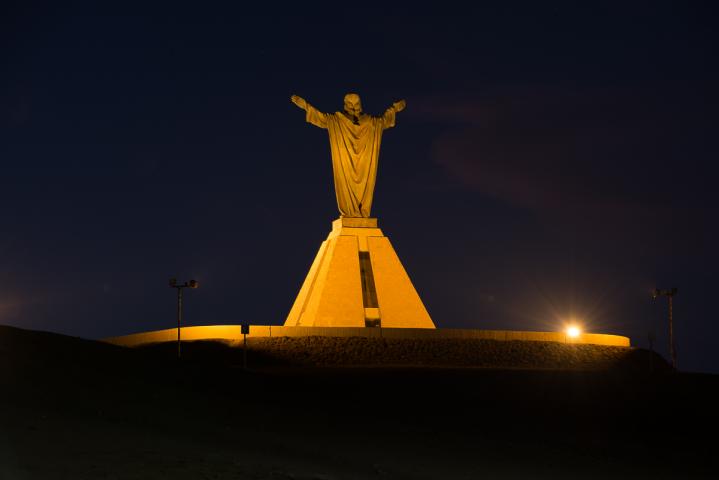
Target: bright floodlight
573	331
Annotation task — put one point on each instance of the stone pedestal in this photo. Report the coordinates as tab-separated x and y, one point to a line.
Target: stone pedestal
357	280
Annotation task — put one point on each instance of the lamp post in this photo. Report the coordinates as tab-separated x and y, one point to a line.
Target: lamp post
651	336
180	287
669	293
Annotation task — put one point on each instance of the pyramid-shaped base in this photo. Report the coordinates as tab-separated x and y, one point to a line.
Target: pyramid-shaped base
357	280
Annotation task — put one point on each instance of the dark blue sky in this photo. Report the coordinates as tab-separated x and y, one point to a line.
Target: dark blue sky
554	160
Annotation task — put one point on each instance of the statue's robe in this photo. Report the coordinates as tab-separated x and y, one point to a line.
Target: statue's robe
355	152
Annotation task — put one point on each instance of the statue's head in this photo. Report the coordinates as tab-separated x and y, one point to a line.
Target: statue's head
353	105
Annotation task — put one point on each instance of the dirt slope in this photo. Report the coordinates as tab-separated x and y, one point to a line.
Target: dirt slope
76	409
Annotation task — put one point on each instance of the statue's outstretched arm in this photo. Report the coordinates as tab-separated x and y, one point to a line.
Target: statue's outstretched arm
389	116
313	116
299	101
399	105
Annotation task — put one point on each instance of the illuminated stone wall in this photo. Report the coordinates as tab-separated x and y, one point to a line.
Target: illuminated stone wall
232	333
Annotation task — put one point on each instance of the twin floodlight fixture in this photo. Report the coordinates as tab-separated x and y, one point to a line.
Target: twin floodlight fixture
667	292
190	284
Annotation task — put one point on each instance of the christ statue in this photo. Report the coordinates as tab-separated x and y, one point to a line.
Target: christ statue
354	143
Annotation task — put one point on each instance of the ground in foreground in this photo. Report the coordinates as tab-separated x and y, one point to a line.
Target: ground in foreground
77	409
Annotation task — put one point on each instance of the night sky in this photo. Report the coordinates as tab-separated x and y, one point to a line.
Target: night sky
555	160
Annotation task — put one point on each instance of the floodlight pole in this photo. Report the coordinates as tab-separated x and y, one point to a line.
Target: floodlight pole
672	347
669	293
651	337
179	320
180	287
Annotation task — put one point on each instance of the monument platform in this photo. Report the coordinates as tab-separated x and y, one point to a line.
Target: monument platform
232	334
357	280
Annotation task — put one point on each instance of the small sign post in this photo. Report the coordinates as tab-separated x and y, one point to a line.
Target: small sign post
244	329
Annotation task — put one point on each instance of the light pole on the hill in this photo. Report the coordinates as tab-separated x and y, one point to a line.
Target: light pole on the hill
180	287
669	293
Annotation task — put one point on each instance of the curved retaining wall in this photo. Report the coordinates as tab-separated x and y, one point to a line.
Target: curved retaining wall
232	333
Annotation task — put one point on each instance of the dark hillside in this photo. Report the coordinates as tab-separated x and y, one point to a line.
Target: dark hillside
72	408
362	351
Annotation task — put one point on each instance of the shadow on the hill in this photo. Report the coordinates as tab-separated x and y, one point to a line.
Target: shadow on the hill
434	410
378	352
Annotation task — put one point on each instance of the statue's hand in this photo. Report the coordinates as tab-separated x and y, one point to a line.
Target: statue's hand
299	101
400	105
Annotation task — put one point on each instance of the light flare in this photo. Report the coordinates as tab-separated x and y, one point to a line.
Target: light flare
573	331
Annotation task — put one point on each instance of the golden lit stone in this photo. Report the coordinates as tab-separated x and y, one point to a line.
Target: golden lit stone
357	280
231	333
355	139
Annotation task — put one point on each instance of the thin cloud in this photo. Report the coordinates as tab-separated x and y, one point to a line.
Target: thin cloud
550	150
